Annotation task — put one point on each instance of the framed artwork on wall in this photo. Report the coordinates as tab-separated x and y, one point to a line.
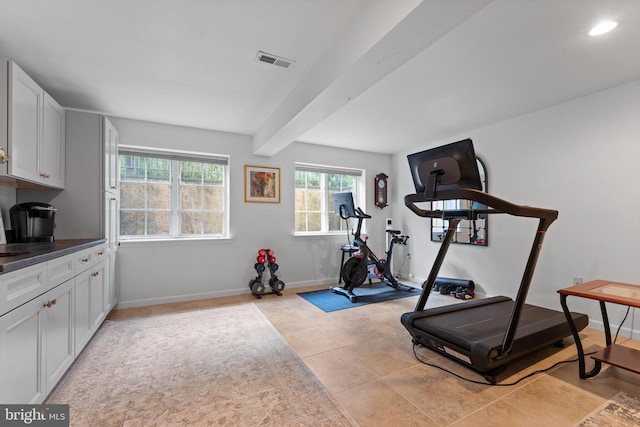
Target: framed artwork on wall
261	184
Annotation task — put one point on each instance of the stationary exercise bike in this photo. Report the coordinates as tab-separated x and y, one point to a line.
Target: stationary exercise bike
356	269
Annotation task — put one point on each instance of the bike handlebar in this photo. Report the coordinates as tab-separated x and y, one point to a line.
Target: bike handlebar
361	214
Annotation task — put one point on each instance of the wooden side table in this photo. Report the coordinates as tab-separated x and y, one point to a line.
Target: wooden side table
604	291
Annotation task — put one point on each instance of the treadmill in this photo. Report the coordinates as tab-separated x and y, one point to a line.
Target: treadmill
484	334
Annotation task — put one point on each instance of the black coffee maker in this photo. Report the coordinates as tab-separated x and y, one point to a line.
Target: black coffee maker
32	222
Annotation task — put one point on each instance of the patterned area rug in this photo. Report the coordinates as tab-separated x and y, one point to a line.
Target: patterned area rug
222	366
621	410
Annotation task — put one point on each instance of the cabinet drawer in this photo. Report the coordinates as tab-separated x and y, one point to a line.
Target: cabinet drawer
100	253
84	259
59	270
89	257
18	287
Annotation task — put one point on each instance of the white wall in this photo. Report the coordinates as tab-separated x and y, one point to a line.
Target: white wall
7	199
80	203
581	158
171	271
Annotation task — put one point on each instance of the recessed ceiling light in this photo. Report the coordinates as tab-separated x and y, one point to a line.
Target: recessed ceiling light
603	27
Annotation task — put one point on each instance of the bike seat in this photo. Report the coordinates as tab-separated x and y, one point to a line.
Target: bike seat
394	231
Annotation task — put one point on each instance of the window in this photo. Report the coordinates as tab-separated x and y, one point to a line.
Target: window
167	194
439	226
314	212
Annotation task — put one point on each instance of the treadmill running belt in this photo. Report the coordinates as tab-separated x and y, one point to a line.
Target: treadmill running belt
473	332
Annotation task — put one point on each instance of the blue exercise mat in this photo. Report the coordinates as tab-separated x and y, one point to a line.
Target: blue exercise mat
328	301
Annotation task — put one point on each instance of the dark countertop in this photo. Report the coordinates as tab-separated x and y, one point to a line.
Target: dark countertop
14	256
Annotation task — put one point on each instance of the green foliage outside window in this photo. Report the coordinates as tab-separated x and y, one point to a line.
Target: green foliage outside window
314	211
147	208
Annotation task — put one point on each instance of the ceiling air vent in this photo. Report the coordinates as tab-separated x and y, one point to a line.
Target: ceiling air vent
273	59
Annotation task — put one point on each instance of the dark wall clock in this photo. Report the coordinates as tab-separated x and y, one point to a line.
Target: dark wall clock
381	190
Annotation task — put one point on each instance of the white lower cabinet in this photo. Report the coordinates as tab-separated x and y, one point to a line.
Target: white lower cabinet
20	350
91	304
57	319
40	338
36	346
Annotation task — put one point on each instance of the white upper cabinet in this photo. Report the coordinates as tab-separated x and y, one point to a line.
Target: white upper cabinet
53	154
35	124
111	167
25	130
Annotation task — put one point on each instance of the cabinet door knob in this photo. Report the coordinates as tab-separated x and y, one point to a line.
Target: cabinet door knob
100	253
85	259
48	304
95	273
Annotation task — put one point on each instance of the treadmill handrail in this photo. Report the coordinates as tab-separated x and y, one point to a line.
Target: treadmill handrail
499	205
545	216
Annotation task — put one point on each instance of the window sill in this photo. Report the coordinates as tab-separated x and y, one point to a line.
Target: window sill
315	235
172	241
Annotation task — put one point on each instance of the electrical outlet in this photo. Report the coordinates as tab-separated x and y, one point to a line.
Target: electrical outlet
577	280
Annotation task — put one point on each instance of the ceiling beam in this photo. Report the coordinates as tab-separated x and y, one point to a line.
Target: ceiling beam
379	41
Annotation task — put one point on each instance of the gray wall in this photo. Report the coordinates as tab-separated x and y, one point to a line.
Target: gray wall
7	199
158	272
581	158
80	203
578	157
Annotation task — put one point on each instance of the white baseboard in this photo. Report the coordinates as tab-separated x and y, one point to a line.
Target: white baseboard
214	294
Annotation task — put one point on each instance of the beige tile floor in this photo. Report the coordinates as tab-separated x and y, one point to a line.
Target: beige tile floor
364	357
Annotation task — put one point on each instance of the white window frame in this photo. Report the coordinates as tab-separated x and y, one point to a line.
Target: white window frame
177	156
359	198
